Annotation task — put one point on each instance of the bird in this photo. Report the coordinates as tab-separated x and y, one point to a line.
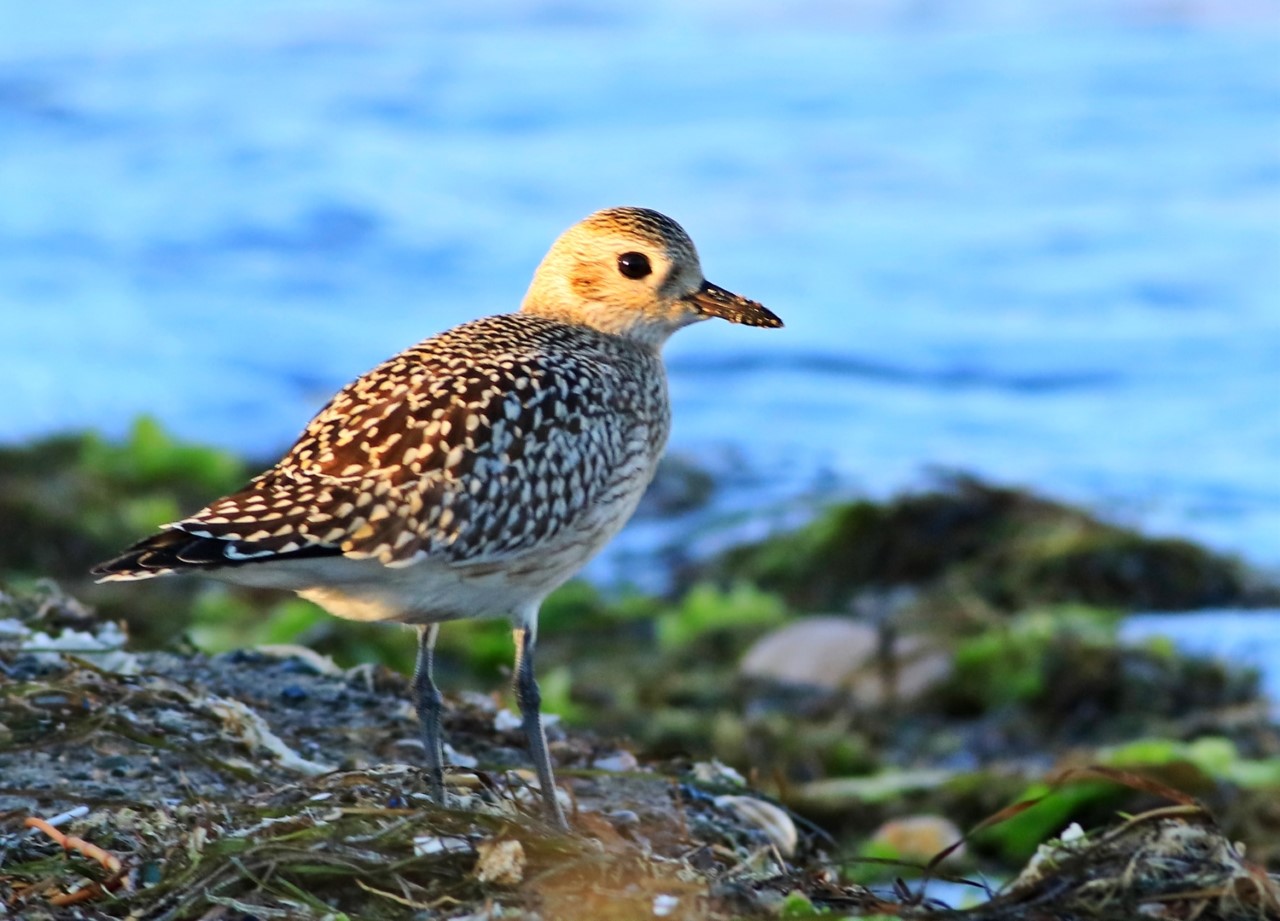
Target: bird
475	472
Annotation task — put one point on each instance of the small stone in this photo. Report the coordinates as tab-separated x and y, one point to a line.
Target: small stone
831	653
506	721
621	761
474	699
458	759
812	651
118	765
920	837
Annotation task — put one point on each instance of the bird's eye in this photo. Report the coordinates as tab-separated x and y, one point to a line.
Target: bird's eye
634	265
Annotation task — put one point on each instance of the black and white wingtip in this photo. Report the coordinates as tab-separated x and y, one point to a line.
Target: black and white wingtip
175	550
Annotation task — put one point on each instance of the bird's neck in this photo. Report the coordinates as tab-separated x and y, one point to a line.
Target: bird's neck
629	324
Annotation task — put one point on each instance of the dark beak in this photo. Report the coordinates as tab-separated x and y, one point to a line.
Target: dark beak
713	301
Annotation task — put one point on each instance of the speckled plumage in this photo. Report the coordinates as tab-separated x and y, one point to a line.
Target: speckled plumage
477	470
476	446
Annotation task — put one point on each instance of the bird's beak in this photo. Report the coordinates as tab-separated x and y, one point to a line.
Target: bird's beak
713	301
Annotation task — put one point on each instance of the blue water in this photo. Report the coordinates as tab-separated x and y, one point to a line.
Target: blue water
1243	638
1042	246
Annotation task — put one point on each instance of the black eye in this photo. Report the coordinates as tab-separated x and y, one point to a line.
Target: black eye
634	265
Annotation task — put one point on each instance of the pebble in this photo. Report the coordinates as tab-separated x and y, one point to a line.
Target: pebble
506	721
920	837
834	653
620	761
772	820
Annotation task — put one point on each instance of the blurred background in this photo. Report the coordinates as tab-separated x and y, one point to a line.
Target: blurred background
1035	242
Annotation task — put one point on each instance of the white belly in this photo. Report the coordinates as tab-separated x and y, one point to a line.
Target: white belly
432	590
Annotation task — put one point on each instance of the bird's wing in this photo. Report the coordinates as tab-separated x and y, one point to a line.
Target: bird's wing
437	452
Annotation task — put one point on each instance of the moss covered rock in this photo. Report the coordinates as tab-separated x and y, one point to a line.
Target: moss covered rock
1005	547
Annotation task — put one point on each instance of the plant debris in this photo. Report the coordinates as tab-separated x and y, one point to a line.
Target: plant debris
195	787
260	784
1170	863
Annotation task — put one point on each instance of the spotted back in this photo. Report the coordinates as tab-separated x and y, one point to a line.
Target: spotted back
478	444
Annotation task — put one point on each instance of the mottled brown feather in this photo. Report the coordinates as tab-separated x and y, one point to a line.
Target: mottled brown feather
505	430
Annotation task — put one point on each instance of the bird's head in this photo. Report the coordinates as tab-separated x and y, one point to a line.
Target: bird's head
635	273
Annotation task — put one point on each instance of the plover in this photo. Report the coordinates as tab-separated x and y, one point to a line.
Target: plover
478	470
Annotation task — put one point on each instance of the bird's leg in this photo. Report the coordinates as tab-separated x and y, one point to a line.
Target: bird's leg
530	700
429	703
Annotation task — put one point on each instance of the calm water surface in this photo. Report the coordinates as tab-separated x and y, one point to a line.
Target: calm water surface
1043	247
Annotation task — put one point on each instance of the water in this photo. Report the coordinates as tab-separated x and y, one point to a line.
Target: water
1042	246
1246	639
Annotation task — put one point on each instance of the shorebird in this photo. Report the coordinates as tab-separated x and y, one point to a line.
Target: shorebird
478	470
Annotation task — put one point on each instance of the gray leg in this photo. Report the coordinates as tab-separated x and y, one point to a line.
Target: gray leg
429	703
530	700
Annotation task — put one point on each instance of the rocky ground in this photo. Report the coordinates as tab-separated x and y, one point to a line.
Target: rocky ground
929	688
274	785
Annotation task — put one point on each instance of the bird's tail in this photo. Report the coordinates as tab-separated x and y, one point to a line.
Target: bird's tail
174	550
158	555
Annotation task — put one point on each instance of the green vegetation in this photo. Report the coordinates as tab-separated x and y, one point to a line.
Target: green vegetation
1011	662
1217	758
796	906
705	612
70	501
1016	838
